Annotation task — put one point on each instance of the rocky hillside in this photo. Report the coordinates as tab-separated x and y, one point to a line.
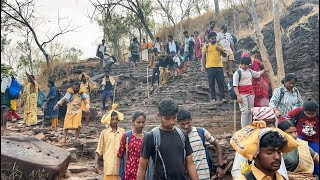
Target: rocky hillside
300	29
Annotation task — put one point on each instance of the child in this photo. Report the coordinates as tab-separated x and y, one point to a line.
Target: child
108	145
242	83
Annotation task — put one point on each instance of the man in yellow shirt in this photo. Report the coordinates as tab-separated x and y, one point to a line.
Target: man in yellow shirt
268	161
212	64
108	145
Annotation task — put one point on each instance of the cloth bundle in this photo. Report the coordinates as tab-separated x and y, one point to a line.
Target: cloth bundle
106	119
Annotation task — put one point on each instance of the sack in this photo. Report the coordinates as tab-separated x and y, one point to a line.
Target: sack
231	88
41	98
14	89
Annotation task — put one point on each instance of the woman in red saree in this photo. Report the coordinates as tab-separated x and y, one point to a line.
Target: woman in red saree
260	85
198	46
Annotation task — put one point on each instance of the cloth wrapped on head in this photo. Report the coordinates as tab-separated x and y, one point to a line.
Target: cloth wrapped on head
246	141
106	119
85	76
245	54
261	113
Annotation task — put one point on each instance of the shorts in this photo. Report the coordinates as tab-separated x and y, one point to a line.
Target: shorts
229	57
135	58
188	56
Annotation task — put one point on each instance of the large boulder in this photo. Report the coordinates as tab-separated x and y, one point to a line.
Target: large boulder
31	158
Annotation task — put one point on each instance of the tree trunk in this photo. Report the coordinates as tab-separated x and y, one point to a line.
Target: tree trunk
146	27
274	81
278	40
216	7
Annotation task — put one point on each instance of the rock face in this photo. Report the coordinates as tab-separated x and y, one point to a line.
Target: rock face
31	157
300	30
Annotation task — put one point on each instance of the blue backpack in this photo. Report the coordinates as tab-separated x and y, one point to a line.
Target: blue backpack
14	89
150	170
201	134
231	88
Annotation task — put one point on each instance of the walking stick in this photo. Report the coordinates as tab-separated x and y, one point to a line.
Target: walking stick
43	117
234	116
148	81
114	93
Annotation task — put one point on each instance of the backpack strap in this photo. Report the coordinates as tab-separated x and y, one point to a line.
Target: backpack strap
201	134
281	95
183	139
239	72
249	175
298	116
157	142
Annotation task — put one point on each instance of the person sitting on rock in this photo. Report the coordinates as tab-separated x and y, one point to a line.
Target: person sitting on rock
168	146
86	86
300	161
107	89
306	119
241	164
108	145
72	120
242	83
198	138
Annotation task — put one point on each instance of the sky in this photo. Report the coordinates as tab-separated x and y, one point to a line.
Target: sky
87	36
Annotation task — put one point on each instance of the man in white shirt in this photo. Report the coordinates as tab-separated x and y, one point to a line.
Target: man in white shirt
225	38
158	45
101	50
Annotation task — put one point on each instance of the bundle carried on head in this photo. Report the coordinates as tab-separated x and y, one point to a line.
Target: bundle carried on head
106	119
247	140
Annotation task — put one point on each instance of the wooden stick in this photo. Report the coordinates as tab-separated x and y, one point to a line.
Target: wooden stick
148	81
234	116
114	93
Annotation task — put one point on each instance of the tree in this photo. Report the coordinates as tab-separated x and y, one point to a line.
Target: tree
274	80
216	7
22	12
278	40
138	7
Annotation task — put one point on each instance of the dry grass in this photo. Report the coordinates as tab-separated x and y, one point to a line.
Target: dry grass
241	29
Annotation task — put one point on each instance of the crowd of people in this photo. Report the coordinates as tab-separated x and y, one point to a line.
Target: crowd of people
278	139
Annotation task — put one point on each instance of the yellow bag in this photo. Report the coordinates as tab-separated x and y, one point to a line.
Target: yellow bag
246	140
245	167
107	117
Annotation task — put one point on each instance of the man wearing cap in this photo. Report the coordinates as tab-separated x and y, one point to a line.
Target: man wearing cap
242	164
225	39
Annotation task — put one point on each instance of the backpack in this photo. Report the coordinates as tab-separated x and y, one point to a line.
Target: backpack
234	39
150	169
282	94
14	89
41	98
231	88
157	141
201	134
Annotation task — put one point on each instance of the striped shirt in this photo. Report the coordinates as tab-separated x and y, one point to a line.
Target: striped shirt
199	154
289	101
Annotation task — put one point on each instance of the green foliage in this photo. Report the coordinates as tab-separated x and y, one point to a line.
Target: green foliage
7	70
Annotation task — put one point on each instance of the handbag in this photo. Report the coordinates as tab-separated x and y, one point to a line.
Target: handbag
41	98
